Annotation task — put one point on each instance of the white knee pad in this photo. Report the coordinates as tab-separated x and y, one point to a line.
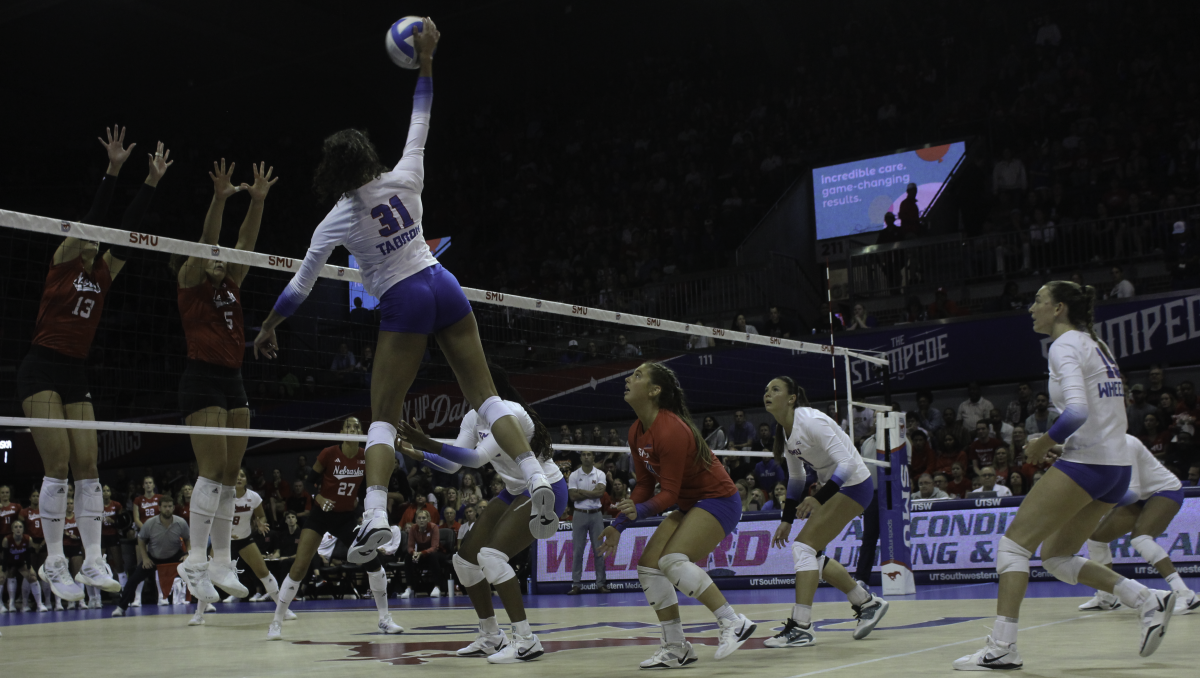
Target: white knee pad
225	505
1012	557
469	573
684	574
804	557
494	408
54	504
1150	550
381	433
89	498
658	589
1065	568
1098	552
206	498
495	565
377	580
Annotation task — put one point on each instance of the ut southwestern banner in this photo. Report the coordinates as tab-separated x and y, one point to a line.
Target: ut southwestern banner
958	544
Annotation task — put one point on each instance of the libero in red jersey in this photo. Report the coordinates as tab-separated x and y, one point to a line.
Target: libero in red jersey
51	383
211	390
669	451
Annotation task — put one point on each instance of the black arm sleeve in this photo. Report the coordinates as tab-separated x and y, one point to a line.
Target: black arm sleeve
789	510
314	479
827	491
101	202
132	219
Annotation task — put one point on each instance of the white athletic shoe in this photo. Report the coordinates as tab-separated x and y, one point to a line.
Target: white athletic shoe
197	619
97	574
435	593
288	615
95	604
230	599
163	602
994	656
119	612
484	645
408	593
42	608
1154	616
371	535
386	625
275	631
521	649
869	615
137	602
56	572
1187	604
258	597
1101	602
671	657
543	521
225	576
3	610
58	606
196	576
209	608
792	635
733	634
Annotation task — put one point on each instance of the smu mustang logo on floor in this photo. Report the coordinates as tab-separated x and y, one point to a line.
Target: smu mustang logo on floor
421	652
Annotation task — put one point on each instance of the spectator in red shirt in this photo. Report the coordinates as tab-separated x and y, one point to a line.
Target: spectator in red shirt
300	501
922	454
419	502
982	449
948	454
958	484
424	552
942	306
1002	462
1154	437
183	505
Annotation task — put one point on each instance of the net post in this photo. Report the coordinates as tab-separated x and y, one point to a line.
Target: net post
894	506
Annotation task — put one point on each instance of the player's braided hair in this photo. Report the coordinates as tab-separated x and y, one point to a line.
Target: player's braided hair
781	436
348	161
671	398
541	443
1081	306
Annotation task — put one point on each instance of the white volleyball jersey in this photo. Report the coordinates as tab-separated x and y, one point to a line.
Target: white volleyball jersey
380	223
1148	476
1086	388
817	439
475	434
243	514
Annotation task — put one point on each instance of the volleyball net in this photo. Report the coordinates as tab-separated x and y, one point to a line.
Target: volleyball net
568	360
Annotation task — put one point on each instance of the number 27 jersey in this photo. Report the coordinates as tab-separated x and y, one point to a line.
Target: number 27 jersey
342	476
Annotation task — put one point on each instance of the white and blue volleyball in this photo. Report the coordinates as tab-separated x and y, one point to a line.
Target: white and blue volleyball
400	45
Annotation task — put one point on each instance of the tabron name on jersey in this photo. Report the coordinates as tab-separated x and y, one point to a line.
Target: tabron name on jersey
389	246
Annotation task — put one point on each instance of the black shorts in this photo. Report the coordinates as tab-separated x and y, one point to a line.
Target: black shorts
341	524
45	369
72	551
108	541
206	385
237	545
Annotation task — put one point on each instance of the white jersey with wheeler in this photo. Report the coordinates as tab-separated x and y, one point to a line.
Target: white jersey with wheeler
475	434
243	514
380	223
826	447
1086	387
1148	476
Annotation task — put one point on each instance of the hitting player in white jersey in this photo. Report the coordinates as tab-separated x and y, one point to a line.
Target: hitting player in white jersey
846	490
378	217
1155	495
502	531
1089	478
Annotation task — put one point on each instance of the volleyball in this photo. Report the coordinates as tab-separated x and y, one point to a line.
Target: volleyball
400	47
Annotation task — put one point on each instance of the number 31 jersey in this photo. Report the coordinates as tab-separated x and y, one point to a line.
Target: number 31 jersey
72	302
342	476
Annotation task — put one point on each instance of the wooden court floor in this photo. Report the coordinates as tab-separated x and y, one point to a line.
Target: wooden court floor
917	638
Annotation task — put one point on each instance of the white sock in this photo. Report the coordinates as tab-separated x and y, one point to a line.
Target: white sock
53	509
1131	593
726	612
802	614
137	594
158	585
89	516
122	578
1176	583
859	596
1005	630
376	501
271	586
530	466
37	593
12	592
200	605
206	500
489	626
378	581
222	528
521	628
672	631
287	593
93	593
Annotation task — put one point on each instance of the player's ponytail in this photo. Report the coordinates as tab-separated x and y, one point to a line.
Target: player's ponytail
780	442
671	399
541	443
1080	301
348	162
